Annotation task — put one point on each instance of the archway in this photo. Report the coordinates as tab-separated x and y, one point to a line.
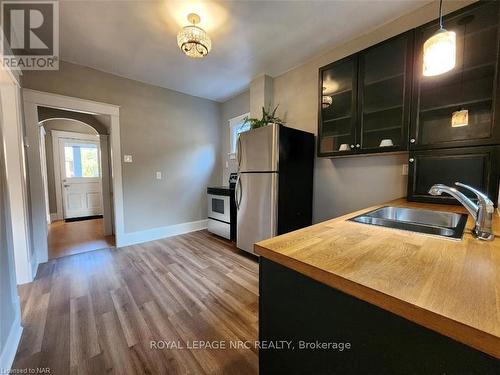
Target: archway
78	206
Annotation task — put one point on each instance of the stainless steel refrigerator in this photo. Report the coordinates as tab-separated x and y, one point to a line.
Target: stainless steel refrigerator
274	187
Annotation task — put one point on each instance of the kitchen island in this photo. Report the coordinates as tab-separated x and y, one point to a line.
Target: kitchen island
357	298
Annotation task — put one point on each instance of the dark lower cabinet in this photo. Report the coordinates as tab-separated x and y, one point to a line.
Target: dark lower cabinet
306	327
474	166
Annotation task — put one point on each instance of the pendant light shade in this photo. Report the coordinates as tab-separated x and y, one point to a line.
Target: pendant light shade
440	50
440	53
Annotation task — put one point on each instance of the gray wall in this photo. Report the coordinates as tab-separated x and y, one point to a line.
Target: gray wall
163	130
64	125
344	185
234	107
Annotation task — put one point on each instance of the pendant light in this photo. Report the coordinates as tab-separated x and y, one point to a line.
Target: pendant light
193	40
439	50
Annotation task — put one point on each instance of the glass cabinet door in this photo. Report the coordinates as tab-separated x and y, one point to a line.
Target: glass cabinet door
337	133
456	108
384	95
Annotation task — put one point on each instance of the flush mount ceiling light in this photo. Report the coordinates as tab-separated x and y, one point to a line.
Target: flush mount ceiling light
193	40
439	50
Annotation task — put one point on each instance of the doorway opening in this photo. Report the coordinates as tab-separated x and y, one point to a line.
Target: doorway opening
40	106
76	173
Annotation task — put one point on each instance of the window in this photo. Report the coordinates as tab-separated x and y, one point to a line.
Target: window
81	160
237	125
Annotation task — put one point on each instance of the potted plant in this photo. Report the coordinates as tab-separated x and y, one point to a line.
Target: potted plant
268	117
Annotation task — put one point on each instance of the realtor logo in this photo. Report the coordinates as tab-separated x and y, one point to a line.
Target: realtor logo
31	29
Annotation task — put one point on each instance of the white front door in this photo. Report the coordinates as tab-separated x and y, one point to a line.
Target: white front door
80	177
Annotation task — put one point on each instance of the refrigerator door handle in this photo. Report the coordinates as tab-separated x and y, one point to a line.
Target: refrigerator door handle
237	199
238	152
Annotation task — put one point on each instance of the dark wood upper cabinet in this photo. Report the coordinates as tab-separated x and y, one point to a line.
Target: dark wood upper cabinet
384	90
337	109
365	100
378	100
471	86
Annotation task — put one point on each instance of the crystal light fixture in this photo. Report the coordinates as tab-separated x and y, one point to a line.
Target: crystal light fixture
439	50
193	40
326	100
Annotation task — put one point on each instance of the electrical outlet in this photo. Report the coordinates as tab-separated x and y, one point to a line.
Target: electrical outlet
127	158
405	170
158	175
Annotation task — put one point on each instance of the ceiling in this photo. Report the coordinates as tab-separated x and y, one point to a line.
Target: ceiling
137	39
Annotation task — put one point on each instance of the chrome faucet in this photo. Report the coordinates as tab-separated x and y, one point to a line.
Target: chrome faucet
482	212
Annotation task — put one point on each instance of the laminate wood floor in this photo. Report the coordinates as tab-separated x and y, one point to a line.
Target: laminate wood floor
97	312
77	237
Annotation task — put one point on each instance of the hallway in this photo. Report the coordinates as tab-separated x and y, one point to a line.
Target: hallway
68	238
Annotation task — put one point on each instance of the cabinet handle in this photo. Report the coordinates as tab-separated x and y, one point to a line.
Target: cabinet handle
412	140
411	160
352	146
358	145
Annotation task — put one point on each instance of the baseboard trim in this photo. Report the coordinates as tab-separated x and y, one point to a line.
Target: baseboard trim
147	235
55	217
34	266
83	218
9	350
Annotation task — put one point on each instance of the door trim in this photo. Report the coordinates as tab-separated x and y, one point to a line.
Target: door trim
34	99
56	135
43	160
14	151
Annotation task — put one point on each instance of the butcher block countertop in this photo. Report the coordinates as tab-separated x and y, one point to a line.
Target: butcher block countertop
449	286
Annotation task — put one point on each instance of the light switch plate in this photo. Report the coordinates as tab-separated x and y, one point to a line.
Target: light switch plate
158	175
127	158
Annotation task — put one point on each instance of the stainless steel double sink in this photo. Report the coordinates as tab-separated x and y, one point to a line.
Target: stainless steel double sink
444	224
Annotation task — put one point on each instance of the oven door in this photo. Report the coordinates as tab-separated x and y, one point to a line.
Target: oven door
218	208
